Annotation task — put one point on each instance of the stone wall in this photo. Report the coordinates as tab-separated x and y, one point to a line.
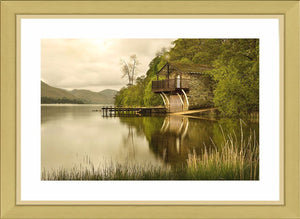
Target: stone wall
200	94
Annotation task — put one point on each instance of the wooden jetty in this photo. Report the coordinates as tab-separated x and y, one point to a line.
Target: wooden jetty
109	111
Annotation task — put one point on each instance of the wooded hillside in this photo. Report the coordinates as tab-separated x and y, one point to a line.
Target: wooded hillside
235	73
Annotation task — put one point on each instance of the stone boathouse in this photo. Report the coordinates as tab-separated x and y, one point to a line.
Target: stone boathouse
184	86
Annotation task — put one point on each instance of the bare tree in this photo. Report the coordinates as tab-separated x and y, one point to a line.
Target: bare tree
129	68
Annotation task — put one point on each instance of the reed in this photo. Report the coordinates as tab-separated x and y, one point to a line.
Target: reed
110	171
236	159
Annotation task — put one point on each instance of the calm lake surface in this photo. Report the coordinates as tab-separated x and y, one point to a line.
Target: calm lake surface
74	135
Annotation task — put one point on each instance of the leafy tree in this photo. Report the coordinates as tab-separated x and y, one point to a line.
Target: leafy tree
236	71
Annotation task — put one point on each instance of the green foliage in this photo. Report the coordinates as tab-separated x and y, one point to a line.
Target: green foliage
200	51
132	95
141	93
235	74
150	98
236	71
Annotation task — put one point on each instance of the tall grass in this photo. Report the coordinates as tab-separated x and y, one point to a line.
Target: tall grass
109	171
235	159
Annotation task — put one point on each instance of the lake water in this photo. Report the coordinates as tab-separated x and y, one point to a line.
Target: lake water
75	134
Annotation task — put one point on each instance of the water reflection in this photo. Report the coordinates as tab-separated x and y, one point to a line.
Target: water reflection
72	133
172	138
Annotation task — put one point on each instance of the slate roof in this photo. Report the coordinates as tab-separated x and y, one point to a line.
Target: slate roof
183	68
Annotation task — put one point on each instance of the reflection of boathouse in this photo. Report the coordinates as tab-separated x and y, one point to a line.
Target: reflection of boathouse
180	136
171	143
183	86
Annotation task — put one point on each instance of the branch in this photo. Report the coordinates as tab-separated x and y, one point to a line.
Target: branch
127	70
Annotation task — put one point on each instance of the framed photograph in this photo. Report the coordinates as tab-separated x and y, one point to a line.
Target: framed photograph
139	109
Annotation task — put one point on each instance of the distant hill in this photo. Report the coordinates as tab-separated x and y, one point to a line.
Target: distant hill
105	96
108	93
53	92
76	96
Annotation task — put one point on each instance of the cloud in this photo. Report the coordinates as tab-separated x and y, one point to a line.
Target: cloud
94	63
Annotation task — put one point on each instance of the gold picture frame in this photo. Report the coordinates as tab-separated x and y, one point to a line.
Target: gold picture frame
11	208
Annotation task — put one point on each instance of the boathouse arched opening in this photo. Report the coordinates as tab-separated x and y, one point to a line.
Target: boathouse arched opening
183	86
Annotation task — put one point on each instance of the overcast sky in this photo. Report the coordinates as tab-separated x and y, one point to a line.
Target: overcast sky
94	64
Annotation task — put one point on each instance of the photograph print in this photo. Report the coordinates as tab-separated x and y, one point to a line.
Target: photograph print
150	109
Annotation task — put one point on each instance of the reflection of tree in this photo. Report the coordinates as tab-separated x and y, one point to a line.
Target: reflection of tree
144	126
139	126
128	142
